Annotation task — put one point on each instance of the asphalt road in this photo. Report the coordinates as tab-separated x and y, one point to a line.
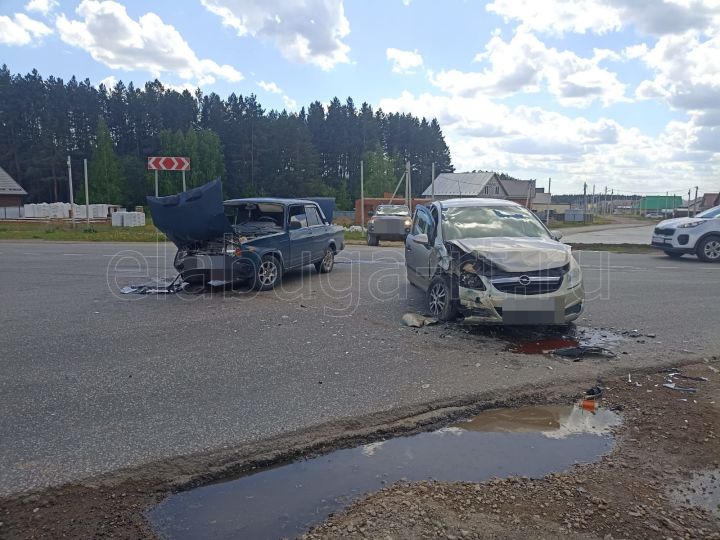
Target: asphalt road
92	380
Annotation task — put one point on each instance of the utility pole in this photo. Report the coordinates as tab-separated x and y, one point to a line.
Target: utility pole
362	196
72	200
594	202
605	206
688	207
87	196
547	210
695	202
408	185
432	182
612	194
585	196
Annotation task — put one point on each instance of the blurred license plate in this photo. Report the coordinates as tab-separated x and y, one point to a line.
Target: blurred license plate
533	311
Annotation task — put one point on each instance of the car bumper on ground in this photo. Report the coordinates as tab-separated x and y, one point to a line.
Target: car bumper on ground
559	307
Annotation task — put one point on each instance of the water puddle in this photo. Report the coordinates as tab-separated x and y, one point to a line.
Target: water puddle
285	501
702	490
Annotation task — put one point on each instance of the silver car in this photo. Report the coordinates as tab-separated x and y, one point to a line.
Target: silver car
492	261
699	235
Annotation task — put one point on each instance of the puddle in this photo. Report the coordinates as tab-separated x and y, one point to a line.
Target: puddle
703	491
542	343
285	501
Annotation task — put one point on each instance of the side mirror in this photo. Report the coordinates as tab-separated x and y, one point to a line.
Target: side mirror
421	239
294	225
557	235
371	213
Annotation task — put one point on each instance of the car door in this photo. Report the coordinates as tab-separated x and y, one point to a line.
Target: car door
417	255
300	236
319	232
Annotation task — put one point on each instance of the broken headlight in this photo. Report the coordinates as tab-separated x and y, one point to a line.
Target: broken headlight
574	276
470	279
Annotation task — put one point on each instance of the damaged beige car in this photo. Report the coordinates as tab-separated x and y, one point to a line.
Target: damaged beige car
492	261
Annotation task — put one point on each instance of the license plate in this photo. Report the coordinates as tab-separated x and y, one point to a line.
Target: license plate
533	311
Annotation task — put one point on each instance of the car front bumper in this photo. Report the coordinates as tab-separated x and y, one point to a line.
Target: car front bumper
681	241
216	268
490	306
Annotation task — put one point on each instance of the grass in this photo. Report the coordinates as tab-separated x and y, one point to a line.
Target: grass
63	231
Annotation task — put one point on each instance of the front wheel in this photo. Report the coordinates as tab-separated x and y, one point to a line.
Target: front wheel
267	273
328	261
673	254
441	299
708	249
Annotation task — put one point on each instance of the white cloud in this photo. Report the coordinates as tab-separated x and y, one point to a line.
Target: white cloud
290	103
41	6
531	142
686	71
109	82
525	64
404	61
21	30
270	87
116	40
657	17
308	31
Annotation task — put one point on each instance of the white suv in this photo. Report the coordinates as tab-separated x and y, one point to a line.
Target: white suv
699	235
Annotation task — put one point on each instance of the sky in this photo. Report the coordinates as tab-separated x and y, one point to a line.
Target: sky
623	94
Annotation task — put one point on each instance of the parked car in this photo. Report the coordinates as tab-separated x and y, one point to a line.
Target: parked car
699	235
244	239
492	261
388	222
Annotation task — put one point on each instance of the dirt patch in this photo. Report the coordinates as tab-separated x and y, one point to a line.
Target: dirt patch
669	436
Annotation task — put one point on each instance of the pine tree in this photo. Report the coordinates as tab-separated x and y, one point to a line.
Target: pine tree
106	180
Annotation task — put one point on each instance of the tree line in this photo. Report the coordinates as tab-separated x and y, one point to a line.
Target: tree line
313	152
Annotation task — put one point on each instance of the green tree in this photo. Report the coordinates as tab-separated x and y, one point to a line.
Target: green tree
379	172
106	180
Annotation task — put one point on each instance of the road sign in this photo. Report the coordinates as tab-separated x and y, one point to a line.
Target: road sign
166	163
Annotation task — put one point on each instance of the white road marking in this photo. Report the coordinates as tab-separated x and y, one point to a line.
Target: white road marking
667	267
74	254
145	256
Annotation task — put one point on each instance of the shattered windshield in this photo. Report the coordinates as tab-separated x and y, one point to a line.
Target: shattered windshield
392	210
248	214
490	221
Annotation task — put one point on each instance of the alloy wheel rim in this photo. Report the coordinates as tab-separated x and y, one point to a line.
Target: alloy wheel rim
438	296
712	249
328	260
267	272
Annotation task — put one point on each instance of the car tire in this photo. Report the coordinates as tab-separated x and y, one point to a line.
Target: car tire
327	263
674	254
442	299
267	273
708	249
372	240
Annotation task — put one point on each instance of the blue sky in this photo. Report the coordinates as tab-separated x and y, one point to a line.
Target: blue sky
617	93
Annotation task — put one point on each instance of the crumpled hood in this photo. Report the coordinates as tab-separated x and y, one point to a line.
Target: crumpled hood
193	216
518	254
673	223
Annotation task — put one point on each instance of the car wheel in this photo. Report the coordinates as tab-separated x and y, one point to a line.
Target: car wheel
267	273
441	299
328	261
673	254
708	249
372	240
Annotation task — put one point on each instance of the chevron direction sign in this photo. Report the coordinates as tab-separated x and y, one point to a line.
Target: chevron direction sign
165	163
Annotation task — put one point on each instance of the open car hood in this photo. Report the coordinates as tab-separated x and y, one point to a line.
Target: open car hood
518	254
193	216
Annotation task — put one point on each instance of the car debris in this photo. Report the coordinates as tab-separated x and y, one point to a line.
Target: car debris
673	386
595	392
416	320
156	286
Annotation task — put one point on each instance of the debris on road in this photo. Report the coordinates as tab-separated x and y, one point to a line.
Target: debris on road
673	386
583	351
415	320
156	286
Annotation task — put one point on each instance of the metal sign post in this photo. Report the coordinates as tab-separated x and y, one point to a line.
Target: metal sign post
362	196
87	196
168	163
72	200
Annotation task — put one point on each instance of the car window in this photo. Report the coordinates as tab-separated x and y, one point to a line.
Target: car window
392	210
297	214
312	216
420	224
491	221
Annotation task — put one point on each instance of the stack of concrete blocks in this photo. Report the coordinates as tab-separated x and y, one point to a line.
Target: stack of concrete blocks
62	211
128	219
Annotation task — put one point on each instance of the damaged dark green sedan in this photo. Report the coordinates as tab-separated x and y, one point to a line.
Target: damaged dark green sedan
255	240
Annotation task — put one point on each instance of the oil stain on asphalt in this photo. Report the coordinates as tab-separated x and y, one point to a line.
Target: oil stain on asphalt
286	500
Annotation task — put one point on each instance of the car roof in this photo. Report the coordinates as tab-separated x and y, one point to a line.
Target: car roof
273	200
476	201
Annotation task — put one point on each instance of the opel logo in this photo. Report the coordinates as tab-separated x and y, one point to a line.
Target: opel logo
524	280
